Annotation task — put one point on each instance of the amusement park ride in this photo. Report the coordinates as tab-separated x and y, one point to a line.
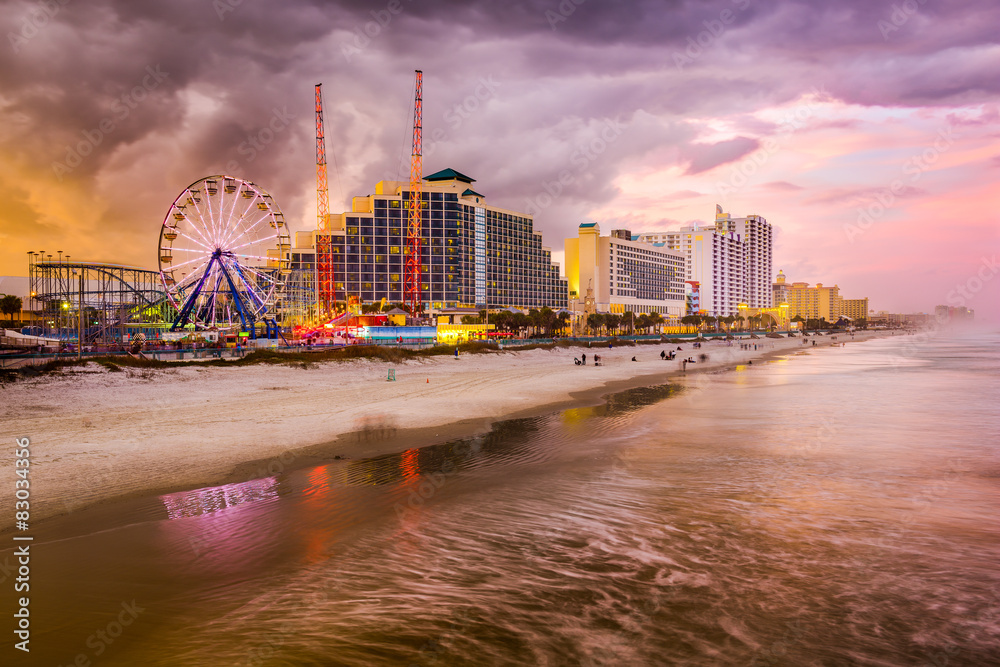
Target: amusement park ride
224	247
412	283
221	254
326	291
225	265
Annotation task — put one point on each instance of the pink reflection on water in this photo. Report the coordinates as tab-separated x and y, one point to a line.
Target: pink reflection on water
213	499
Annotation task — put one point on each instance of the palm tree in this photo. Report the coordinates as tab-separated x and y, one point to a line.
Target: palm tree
503	321
521	322
10	305
595	321
628	322
548	319
800	320
656	320
613	322
562	321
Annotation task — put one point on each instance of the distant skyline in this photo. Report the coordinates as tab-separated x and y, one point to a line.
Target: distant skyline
865	132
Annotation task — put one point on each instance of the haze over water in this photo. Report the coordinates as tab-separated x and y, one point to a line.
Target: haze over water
835	508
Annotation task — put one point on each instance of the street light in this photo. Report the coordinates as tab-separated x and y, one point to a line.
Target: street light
79	318
62	319
31	297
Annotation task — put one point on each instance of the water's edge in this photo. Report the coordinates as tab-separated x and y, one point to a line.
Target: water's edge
375	442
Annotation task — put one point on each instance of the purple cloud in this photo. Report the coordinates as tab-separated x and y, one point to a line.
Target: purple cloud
703	157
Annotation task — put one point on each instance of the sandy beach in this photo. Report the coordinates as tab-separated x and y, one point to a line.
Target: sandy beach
98	435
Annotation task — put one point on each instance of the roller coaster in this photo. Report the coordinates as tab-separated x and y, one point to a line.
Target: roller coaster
115	301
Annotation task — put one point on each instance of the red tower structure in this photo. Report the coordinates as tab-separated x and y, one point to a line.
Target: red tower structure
325	286
413	285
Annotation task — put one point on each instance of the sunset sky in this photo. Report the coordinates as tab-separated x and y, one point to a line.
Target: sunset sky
866	131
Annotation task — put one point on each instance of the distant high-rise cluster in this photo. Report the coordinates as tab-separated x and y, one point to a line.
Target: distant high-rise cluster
475	255
954	314
821	302
724	268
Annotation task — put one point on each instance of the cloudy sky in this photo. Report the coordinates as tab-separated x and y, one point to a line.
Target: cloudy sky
866	131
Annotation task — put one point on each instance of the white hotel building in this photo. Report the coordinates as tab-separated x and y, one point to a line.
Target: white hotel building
622	273
731	261
757	238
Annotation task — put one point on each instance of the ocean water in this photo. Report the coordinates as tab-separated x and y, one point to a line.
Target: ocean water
838	506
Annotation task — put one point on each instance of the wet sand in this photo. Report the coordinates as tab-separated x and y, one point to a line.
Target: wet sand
98	436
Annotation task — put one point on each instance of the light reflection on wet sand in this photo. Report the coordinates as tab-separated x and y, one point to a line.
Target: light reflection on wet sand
835	508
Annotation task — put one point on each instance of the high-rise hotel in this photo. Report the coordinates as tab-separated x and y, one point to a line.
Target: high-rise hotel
755	233
729	261
620	273
472	254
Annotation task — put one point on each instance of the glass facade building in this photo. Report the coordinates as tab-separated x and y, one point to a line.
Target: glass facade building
472	254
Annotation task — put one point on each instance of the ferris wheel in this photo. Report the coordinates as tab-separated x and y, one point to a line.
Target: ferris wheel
223	253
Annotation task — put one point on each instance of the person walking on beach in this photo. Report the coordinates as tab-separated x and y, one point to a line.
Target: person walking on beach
584	355
663	355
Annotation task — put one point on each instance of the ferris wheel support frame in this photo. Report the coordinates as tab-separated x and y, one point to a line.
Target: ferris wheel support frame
232	284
